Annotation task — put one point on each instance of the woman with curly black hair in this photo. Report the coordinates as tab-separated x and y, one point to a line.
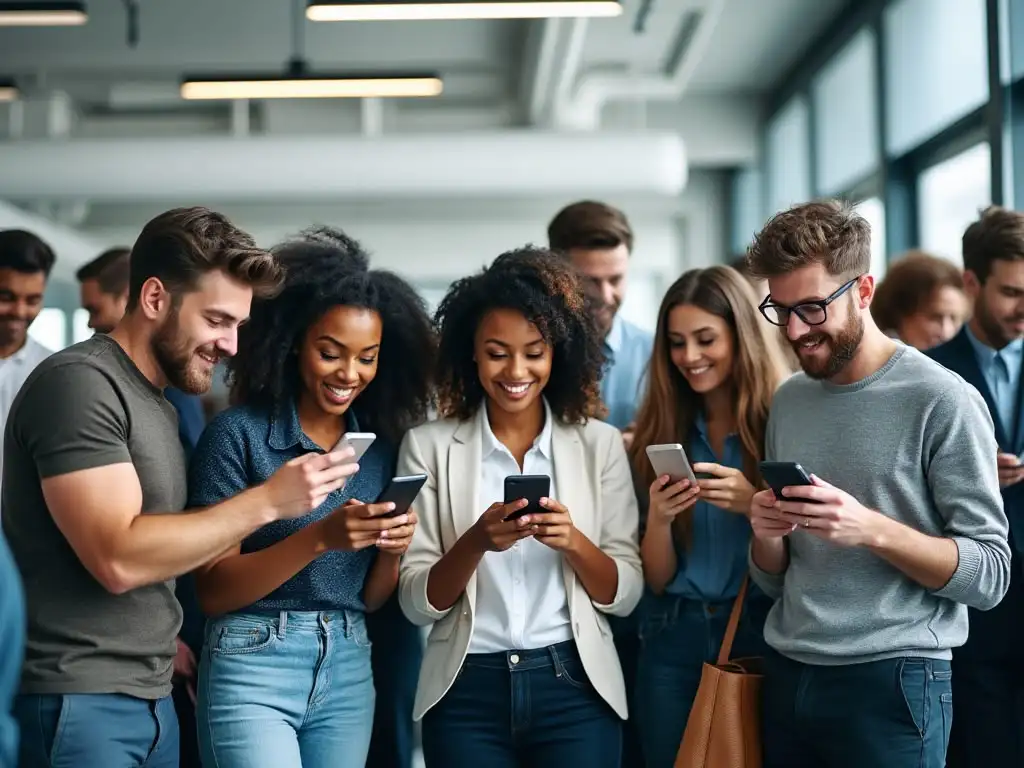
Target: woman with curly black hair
520	668
285	673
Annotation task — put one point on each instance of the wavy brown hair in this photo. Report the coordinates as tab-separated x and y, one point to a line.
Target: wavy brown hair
670	406
545	289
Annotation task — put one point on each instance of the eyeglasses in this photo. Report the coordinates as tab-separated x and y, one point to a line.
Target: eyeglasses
810	312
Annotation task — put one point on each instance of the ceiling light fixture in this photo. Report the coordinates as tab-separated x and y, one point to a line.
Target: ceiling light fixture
42	14
8	91
311	86
417	10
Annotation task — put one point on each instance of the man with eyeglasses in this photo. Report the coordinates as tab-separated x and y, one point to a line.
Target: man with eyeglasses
874	564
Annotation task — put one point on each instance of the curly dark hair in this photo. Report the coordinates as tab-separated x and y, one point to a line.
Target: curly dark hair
546	290
324	268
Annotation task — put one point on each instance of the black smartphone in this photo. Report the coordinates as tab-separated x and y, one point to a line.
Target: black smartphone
780	474
402	492
530	487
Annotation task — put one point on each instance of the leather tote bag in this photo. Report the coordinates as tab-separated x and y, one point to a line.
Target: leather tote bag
724	729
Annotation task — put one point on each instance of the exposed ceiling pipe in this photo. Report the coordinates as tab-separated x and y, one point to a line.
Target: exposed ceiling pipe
583	111
540	77
226	168
573	58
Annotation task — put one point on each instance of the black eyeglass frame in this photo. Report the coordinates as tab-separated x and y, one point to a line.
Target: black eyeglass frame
821	304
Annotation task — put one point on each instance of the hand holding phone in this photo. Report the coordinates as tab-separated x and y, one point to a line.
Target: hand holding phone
402	492
785	474
670	459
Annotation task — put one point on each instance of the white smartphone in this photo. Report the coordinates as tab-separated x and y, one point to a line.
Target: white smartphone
670	459
359	442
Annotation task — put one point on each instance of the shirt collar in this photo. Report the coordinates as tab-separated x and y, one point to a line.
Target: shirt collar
492	444
30	350
613	341
986	354
286	429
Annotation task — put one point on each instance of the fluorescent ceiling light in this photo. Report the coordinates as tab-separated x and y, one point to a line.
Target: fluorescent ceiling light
311	87
42	14
8	90
416	10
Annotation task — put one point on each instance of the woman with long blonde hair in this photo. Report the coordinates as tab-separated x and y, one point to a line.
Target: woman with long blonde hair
712	375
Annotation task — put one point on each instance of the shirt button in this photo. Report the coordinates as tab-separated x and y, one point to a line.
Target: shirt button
514	658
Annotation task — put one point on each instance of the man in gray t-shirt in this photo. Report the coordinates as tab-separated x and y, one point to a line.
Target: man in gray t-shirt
874	564
93	493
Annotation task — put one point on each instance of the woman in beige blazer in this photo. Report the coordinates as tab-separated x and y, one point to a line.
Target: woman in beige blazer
520	668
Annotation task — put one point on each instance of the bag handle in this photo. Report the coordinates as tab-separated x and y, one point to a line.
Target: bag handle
734	622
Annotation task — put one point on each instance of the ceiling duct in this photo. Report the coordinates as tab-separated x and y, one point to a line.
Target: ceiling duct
510	163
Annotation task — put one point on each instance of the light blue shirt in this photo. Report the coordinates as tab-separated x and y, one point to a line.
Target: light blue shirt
1001	370
716	562
628	349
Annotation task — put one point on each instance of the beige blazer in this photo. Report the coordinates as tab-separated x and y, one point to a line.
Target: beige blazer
593	480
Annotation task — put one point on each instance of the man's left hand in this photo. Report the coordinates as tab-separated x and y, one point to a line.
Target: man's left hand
185	668
830	514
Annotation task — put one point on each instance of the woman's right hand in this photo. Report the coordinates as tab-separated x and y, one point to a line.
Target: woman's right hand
493	533
668	500
354	525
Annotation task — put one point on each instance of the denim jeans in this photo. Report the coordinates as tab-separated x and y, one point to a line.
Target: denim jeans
894	713
522	709
96	729
293	690
677	636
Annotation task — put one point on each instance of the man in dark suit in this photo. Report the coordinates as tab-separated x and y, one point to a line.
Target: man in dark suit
988	670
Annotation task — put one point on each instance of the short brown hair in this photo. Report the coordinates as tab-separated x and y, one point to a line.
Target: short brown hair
997	235
909	284
826	232
182	245
589	224
110	270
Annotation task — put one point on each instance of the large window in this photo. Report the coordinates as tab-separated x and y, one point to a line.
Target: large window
80	330
949	195
936	69
50	329
873	211
789	172
846	116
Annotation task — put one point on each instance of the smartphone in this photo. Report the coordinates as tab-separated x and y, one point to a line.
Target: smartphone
359	441
402	492
529	487
670	459
779	474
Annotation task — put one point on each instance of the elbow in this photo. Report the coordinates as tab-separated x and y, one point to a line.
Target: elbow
116	577
656	582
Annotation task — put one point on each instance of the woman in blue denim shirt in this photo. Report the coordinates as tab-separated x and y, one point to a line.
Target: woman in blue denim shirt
285	674
712	375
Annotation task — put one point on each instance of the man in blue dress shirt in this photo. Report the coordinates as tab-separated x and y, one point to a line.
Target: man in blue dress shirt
988	670
598	240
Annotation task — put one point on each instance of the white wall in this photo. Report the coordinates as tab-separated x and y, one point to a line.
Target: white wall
433	242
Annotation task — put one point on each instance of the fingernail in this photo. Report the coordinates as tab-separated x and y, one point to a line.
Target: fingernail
403	519
543	499
390	506
524	519
383	534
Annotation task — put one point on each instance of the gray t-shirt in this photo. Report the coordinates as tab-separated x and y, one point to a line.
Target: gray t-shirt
85	407
915	442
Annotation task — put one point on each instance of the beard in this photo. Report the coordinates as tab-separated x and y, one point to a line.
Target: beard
175	355
996	334
842	347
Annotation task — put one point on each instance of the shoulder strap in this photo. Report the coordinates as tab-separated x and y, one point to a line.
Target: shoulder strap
734	621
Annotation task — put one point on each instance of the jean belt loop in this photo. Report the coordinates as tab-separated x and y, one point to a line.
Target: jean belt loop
556	661
282	624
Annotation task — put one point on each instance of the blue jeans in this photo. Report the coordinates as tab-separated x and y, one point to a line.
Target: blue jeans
534	709
293	690
677	636
894	713
96	729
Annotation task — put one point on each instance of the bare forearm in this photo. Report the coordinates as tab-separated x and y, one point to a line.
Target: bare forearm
770	555
157	547
596	571
928	560
449	576
239	580
658	555
381	581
